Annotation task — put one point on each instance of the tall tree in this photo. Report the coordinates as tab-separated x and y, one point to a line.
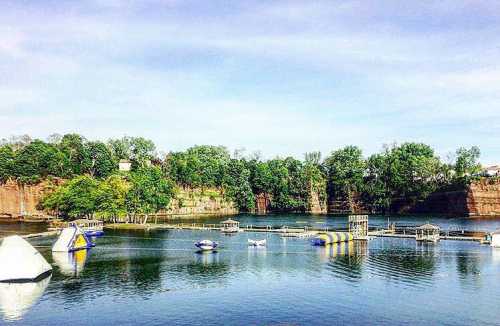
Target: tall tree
39	160
73	146
150	191
345	169
102	163
237	182
7	160
76	198
467	161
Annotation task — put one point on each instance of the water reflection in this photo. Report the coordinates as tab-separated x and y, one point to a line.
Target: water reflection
469	269
412	268
17	298
70	263
207	267
345	259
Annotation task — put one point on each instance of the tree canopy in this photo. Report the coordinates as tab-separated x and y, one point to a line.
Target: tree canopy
408	172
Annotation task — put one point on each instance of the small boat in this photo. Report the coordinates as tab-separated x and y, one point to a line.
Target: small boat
206	245
91	228
257	243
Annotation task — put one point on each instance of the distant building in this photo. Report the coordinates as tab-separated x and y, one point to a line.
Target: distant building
124	165
492	171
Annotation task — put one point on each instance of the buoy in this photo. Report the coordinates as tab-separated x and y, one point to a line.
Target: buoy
72	239
20	262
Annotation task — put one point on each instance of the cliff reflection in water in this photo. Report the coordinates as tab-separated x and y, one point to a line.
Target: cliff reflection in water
17	298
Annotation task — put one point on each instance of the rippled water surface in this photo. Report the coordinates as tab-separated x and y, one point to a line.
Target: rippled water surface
157	278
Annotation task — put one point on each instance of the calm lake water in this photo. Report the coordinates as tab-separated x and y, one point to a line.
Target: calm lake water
157	278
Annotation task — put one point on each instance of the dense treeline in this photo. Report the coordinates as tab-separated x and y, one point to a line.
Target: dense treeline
408	172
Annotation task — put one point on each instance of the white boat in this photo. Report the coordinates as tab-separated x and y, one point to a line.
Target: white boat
72	239
257	243
206	244
20	262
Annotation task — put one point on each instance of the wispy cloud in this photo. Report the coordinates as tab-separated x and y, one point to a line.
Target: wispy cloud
284	76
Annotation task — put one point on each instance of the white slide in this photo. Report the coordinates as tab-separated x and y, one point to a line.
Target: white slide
65	240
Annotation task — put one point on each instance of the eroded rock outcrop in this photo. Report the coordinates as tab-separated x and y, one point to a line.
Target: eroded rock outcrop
483	198
18	200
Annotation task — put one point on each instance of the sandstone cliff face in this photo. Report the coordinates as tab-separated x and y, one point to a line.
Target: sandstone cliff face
483	198
316	205
189	202
480	199
21	200
262	203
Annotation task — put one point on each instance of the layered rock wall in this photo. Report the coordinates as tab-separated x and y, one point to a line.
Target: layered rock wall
483	198
18	200
191	202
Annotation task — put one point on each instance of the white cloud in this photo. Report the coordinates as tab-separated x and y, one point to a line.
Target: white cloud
365	74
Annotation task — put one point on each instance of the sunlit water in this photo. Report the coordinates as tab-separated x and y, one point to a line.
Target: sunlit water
157	278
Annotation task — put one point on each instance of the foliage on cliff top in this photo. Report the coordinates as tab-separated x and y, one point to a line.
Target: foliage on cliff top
144	191
410	171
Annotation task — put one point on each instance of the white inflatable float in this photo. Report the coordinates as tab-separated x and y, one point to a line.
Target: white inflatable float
20	262
72	239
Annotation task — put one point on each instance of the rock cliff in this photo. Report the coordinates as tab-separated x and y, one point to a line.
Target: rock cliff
190	202
21	201
18	200
483	198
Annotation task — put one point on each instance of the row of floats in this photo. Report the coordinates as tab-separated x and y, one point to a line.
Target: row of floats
323	239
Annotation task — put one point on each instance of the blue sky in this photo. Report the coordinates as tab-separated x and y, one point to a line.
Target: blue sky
282	77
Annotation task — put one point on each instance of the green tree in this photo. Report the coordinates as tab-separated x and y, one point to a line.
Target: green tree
150	191
237	183
76	198
377	193
412	170
7	160
345	169
102	163
111	197
467	163
39	160
139	150
73	146
199	166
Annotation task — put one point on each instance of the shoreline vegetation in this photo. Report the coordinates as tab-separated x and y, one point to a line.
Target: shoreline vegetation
85	180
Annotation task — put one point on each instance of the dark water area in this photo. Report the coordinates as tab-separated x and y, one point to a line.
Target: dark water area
20	228
157	278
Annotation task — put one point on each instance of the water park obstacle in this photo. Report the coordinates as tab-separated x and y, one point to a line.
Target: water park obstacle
72	239
20	262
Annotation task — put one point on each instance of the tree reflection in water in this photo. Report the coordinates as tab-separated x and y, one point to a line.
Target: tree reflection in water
469	269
